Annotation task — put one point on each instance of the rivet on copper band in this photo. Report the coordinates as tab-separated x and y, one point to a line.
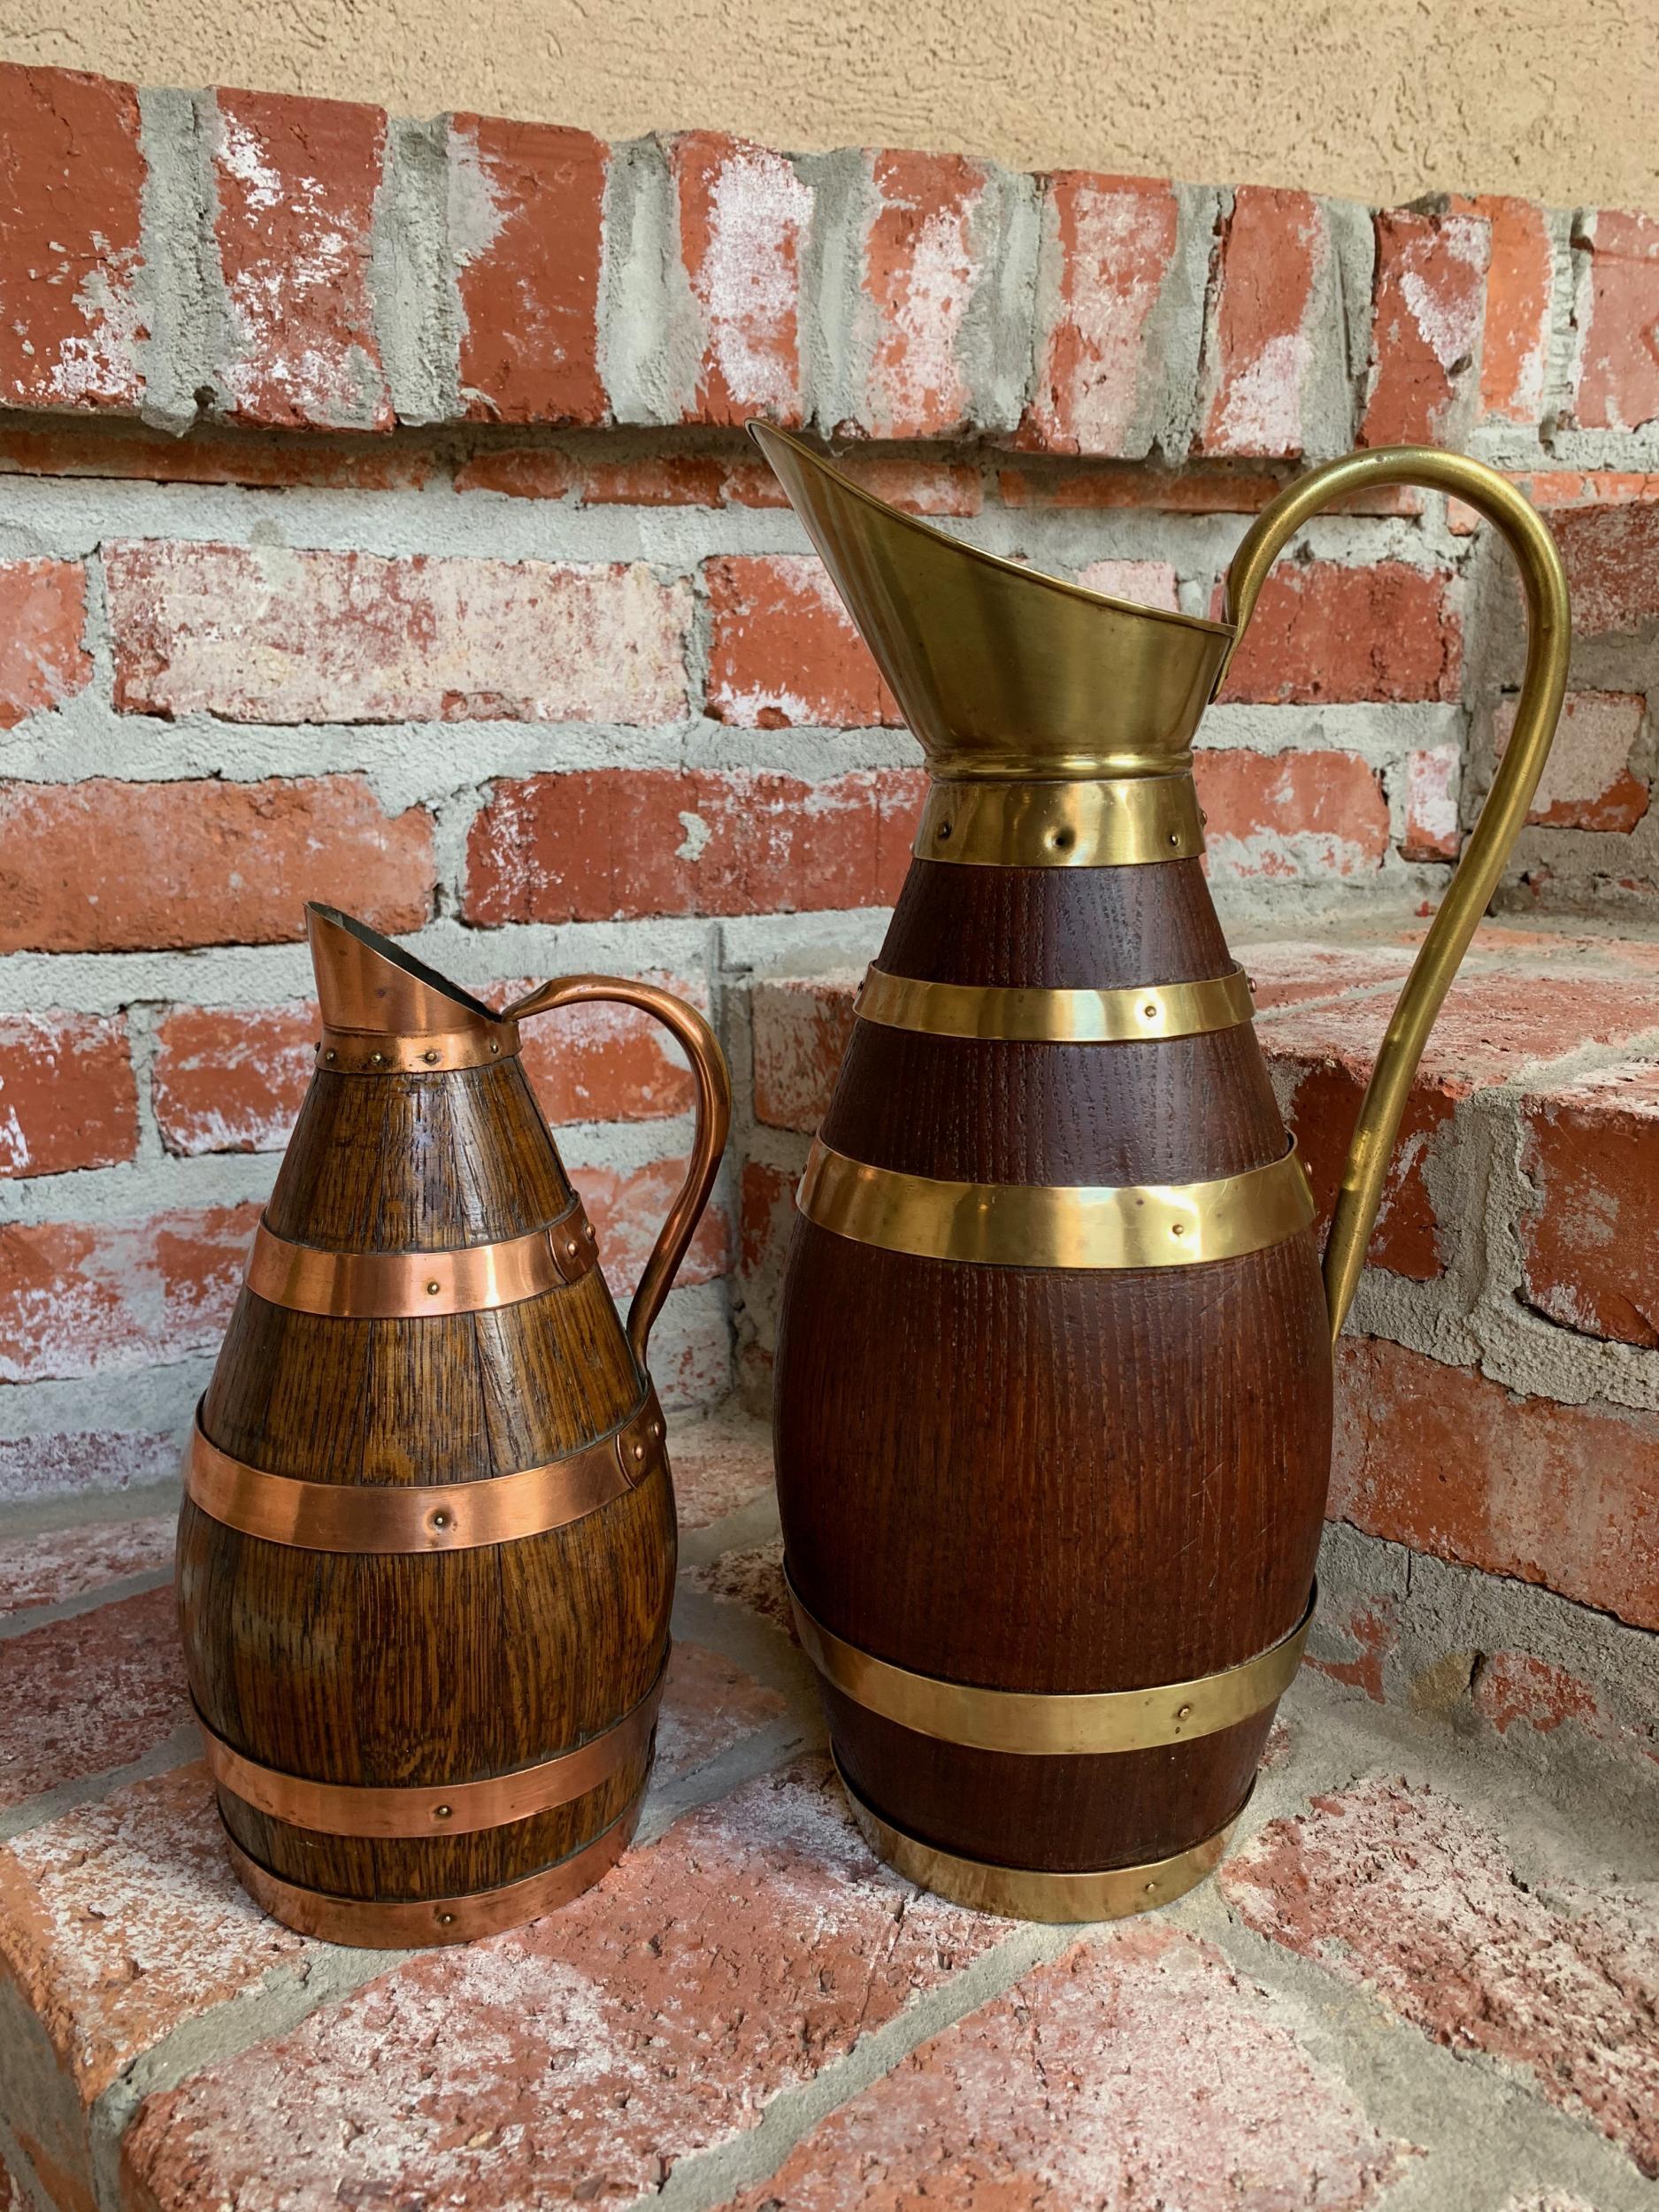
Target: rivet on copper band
375	1052
1130	1014
388	1286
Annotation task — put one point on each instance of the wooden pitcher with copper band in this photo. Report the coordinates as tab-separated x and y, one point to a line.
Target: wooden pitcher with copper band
1053	1380
427	1551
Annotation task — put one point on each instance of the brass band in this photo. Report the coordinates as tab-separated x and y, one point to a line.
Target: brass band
1042	1724
392	1286
422	1516
373	1925
434	1809
1119	822
1134	1013
370	1052
1056	1225
1030	1893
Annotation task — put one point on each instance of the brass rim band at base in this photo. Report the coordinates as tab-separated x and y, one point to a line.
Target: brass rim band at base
1141	1013
373	1925
370	1052
422	1516
1041	1724
1056	1225
1119	822
1029	1893
399	1285
434	1809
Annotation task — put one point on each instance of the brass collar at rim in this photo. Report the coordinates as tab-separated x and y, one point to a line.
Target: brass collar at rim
1027	1014
1042	1724
1056	1225
434	1808
372	1925
1117	822
368	1052
395	1286
1015	1893
384	1520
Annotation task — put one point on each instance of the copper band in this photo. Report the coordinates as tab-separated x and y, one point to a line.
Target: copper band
367	1052
376	1926
1030	1893
434	1808
1116	822
1039	1724
423	1517
1139	1012
394	1285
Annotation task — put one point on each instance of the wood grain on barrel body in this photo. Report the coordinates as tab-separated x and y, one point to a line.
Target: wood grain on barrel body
1052	1479
435	1667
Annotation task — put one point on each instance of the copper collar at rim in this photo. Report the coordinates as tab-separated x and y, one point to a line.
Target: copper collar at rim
1015	1892
381	1519
1133	1013
1039	1724
397	1286
397	1925
1117	822
434	1808
1055	1225
371	1052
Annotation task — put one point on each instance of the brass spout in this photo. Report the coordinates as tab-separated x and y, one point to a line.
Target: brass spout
1000	670
368	985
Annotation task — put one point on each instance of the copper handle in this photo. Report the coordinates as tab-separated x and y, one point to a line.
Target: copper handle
714	1115
1549	638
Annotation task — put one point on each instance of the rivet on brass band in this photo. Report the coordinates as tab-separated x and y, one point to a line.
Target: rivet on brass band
1022	1894
1135	1013
375	1926
436	1809
1040	1725
378	1518
1055	1225
394	1285
1121	823
369	1052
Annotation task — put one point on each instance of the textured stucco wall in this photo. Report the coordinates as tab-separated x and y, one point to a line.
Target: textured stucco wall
1381	99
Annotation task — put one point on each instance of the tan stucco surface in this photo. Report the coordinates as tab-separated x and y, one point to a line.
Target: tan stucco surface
1382	99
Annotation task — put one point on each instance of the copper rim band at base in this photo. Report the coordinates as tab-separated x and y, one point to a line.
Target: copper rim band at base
397	1925
434	1808
401	1286
1056	1225
423	1517
1143	1012
1029	1893
392	1052
1039	1724
1113	822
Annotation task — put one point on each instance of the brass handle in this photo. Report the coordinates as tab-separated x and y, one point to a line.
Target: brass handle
1549	638
714	1115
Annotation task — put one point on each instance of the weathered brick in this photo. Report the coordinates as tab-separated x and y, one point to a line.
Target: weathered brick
1196	491
1285	816
1427	304
1590	1243
1611	553
1145	583
767	1202
1587	781
801	1028
785	651
1320	631
722	1462
1110	246
920	487
603	844
1367	1631
69	1462
258	633
1514	324
42	612
921	273
102	866
1511	1686
1137	2069
628	1205
80	1299
66	1562
606	1062
296	181
744	214
67	1096
72	177
1434	781
1290	971
655	2017
1403	1892
709	1703
90	1692
232	1079
1446	1461
209	455
751	1577
527	203
1617	374
1264	349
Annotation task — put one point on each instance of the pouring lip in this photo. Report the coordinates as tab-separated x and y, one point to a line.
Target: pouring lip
759	431
386	949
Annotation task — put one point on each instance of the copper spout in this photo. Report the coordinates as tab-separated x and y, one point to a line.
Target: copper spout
367	984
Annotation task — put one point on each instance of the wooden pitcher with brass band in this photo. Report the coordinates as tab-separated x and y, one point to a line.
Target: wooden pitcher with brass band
1053	1379
427	1551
